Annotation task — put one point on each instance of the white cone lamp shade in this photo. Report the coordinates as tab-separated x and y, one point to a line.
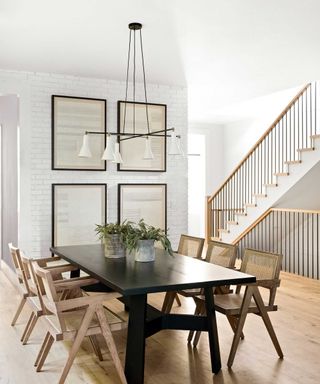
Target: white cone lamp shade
148	155
108	153
174	148
85	148
117	154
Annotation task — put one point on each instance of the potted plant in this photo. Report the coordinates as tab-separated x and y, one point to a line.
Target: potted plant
140	238
113	235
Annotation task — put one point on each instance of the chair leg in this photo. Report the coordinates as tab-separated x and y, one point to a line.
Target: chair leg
198	333
177	300
168	302
44	351
165	302
196	313
30	329
267	322
27	326
42	348
17	314
243	314
95	346
233	323
106	332
77	342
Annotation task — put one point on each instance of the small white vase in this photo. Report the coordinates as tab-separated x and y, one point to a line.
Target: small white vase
145	251
113	248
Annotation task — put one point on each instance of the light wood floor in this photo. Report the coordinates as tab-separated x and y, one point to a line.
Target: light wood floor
169	360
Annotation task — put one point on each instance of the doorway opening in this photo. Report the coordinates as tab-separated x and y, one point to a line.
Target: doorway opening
196	184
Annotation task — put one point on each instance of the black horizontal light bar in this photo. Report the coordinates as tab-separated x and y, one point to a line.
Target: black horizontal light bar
134	136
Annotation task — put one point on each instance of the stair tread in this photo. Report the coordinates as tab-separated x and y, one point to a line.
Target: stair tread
293	162
306	149
223	230
316	136
270	185
250	205
232	222
259	195
240	213
281	174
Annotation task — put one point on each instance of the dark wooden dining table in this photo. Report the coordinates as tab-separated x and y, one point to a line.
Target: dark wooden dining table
135	280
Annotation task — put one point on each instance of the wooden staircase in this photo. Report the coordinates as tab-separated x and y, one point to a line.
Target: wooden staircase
273	165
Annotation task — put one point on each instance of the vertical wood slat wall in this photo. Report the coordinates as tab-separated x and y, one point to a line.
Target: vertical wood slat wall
293	233
271	155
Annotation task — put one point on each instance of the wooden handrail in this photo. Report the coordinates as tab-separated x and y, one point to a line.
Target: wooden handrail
266	213
297	210
273	125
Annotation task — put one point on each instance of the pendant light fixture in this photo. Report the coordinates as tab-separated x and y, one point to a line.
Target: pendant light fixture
108	153
112	150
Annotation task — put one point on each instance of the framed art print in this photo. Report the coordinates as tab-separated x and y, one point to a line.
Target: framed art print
71	118
143	201
132	119
76	209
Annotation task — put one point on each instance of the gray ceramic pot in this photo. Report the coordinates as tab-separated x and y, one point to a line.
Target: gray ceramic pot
145	251
113	248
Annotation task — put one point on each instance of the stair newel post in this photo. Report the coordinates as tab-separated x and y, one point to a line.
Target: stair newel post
208	216
294	132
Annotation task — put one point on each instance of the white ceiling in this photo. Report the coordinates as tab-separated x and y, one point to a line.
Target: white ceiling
224	51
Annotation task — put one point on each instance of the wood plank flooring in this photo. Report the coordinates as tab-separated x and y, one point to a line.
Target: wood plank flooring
169	360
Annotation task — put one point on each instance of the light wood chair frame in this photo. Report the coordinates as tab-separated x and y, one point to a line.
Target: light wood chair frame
27	285
171	296
55	308
237	316
231	251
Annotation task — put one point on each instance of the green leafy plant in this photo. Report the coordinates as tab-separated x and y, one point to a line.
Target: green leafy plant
143	231
105	231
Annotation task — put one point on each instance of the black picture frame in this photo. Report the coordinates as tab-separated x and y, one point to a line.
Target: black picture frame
135	216
71	116
132	149
57	206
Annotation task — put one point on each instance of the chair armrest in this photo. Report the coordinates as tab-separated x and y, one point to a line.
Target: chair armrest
45	260
265	283
76	282
66	305
56	269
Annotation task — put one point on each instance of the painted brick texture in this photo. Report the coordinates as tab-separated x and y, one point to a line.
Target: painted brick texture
36	151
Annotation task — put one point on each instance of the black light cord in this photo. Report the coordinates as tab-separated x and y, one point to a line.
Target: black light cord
127	83
144	82
134	81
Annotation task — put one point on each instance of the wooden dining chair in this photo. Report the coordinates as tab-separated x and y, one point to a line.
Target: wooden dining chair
221	254
27	286
188	246
266	267
73	319
191	246
56	269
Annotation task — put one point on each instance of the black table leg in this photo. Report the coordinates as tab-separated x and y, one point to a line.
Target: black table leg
212	331
134	367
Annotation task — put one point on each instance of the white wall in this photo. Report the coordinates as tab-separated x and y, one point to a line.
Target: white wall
241	135
214	154
305	194
36	176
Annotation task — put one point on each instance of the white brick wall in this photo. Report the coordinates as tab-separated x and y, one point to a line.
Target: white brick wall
36	176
